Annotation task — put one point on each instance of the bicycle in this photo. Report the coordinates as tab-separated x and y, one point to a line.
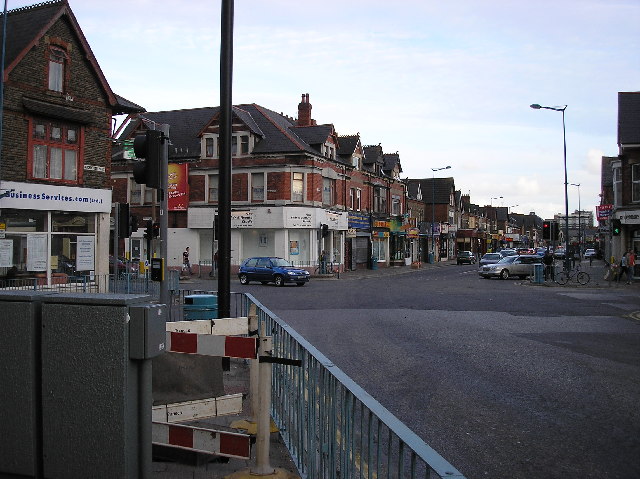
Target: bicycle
564	276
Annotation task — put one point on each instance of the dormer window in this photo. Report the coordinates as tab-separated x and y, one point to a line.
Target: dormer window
57	61
240	145
329	151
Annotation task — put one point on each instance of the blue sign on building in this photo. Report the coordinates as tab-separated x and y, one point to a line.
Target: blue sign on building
360	221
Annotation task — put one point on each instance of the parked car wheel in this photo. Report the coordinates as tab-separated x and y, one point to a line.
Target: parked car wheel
278	280
504	274
244	279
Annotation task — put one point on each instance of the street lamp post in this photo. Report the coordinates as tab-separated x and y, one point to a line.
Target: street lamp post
579	220
535	106
433	210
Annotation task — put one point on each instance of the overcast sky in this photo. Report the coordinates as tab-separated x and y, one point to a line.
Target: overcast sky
440	82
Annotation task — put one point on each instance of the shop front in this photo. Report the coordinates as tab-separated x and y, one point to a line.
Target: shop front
50	233
358	241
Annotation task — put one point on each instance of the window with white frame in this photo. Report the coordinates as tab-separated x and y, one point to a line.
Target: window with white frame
257	187
352	198
635	183
328	190
617	185
358	199
396	205
297	187
240	144
379	199
57	61
213	188
209	147
135	192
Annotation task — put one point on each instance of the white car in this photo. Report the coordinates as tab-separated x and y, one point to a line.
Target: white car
590	253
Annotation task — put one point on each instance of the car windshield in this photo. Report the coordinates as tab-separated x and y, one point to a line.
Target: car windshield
507	259
280	262
491	256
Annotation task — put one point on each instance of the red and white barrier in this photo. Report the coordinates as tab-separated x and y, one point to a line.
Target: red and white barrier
208	441
208	345
198	409
217	327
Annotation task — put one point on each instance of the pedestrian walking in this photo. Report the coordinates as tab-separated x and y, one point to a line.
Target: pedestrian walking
186	265
631	264
624	263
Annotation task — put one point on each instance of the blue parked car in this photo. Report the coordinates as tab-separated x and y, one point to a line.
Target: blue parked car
271	270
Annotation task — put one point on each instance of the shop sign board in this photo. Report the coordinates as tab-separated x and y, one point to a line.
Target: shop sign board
604	211
35	196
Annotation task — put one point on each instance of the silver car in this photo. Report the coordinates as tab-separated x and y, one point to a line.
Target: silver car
490	258
521	266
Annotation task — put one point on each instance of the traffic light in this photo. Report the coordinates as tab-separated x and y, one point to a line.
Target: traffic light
325	230
616	227
546	230
555	230
133	223
124	230
156	230
148	232
149	148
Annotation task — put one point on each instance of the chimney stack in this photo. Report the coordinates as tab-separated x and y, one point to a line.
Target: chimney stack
304	111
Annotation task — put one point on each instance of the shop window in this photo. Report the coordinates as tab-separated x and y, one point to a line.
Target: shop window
55	151
379	249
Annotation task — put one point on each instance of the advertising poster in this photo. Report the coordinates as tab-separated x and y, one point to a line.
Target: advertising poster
178	187
85	253
36	252
6	253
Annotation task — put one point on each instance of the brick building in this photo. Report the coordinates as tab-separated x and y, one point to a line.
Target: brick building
55	196
289	177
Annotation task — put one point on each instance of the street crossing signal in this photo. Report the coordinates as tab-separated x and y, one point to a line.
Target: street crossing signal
149	148
546	230
148	232
325	230
616	227
124	225
156	230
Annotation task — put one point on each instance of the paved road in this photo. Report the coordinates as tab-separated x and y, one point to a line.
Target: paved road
503	378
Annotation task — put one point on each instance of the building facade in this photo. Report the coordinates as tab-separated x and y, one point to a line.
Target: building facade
55	196
299	190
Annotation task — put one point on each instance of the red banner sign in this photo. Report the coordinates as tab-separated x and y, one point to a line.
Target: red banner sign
604	211
178	187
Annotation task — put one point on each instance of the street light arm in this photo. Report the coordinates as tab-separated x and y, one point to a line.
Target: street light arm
535	106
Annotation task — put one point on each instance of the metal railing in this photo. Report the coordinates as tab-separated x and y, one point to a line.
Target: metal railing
331	426
105	283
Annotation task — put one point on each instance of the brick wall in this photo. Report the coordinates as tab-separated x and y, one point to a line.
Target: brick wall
82	92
